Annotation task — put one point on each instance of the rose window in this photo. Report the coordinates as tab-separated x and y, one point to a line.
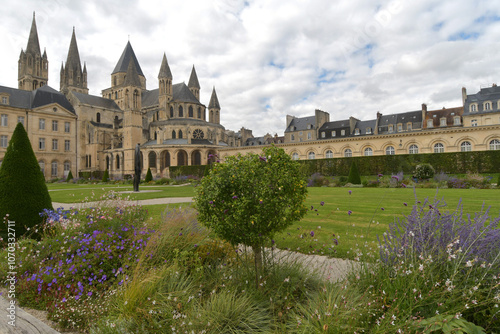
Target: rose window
198	134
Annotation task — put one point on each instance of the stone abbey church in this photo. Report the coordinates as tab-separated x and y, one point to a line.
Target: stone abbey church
72	130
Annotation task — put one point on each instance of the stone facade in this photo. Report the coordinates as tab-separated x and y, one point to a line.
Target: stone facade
73	130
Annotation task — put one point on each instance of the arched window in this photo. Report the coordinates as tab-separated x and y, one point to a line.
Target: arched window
438	148
171	111
181	111
98	117
329	154
173	134
495	144
368	152
190	111
107	162
472	108
136	99
180	134
117	161
466	146
295	156
389	150
311	156
199	112
348	153
292	137
152	159
413	149
54	168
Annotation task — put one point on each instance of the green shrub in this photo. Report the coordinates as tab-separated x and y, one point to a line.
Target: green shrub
70	176
247	199
149	176
23	192
424	171
354	177
105	177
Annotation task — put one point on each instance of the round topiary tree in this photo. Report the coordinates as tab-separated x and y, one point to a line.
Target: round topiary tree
23	192
247	199
70	176
105	177
354	176
424	171
149	176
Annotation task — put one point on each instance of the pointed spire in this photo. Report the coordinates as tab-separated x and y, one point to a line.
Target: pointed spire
165	69
73	61
33	43
214	101
132	77
123	63
193	80
84	67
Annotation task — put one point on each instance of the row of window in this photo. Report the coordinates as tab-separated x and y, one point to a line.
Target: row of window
486	106
55	144
54	167
55	125
181	112
465	146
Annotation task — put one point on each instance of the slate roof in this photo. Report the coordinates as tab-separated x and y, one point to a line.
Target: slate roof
96	101
127	55
33	99
150	98
342	124
485	94
17	98
299	124
363	125
415	117
181	93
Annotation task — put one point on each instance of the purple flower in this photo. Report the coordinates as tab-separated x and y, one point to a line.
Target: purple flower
335	241
211	202
405	204
350	192
263	158
349	212
395	177
312	233
312	207
403	185
322	203
380	175
64	299
382	209
235	197
90	293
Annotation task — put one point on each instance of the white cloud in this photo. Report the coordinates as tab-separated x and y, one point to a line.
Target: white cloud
270	58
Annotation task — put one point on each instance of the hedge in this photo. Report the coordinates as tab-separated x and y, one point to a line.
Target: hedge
450	163
198	170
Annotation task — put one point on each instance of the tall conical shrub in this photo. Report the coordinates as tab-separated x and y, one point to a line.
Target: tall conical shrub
354	177
105	177
149	176
23	192
70	176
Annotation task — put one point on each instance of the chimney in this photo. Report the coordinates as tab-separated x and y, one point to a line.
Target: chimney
464	95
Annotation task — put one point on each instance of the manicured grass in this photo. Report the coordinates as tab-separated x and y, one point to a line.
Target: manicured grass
71	193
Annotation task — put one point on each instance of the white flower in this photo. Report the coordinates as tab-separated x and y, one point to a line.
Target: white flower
469	263
421	267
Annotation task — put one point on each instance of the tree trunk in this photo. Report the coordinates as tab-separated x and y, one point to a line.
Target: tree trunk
257	252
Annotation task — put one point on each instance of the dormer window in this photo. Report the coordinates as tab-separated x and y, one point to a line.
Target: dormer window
356	132
409	126
333	133
5	100
400	127
473	108
323	134
368	131
391	128
342	132
442	121
456	120
487	106
429	123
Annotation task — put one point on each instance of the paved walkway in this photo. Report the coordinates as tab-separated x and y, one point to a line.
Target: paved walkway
153	201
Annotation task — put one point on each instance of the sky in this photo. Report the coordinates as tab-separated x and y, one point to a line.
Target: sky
272	58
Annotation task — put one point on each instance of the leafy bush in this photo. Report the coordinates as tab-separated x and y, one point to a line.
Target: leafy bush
23	192
317	180
424	171
354	177
149	176
247	199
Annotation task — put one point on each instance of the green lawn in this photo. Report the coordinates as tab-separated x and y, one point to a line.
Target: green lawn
76	193
329	222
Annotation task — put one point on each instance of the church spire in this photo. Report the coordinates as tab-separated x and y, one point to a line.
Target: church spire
194	85
214	108
165	84
33	69
73	77
165	69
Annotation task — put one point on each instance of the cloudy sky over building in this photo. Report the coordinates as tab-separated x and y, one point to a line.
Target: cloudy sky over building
270	58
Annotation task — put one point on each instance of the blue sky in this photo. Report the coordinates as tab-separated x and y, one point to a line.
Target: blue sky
270	58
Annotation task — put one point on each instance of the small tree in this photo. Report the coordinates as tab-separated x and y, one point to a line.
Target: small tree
23	192
149	176
354	177
70	176
424	171
247	199
105	177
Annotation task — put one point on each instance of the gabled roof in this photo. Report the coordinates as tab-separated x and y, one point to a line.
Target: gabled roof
46	95
363	125
299	124
214	101
181	93
127	55
193	80
96	101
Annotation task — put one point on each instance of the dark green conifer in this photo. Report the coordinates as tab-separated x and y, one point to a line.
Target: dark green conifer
149	176
70	176
354	177
105	177
23	192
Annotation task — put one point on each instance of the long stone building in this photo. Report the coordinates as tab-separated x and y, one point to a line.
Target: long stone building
73	130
